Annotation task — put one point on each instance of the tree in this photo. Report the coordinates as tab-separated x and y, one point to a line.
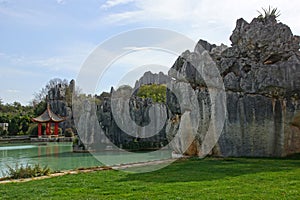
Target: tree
40	108
42	94
25	124
13	127
56	81
1	104
4	118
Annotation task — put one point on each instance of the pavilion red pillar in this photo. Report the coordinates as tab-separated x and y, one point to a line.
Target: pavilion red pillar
56	129
48	128
39	130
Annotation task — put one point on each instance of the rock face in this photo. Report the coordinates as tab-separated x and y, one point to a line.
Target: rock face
261	75
61	105
150	78
87	127
131	122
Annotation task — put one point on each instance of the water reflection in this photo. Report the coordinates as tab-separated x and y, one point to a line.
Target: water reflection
58	156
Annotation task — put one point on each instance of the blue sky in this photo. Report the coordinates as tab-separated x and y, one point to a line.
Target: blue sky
41	40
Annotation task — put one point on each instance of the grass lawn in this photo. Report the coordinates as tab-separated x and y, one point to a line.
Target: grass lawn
211	178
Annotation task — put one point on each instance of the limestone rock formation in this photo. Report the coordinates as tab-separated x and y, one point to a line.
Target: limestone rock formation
131	122
261	74
59	98
152	78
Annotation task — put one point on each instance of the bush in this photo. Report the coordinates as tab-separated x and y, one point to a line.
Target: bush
27	171
75	141
13	127
3	132
154	91
69	132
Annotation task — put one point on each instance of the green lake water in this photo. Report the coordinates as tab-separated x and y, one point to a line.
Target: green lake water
60	156
57	156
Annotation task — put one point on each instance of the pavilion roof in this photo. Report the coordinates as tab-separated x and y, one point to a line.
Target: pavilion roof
48	116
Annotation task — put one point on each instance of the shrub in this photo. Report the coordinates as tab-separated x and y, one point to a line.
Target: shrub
13	127
3	132
69	132
157	92
268	13
27	171
75	141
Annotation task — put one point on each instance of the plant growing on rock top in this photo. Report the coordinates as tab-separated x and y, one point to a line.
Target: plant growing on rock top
268	12
157	92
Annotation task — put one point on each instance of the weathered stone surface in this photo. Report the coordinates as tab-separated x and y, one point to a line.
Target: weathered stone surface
261	73
129	121
150	78
57	98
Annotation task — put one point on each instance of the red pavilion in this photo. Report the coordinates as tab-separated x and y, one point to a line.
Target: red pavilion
49	118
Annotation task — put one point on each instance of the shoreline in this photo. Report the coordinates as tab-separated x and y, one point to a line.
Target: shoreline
5	180
25	139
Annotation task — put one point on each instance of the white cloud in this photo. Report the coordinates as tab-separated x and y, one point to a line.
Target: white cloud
33	14
113	3
10	13
14	72
13	91
195	18
69	59
60	1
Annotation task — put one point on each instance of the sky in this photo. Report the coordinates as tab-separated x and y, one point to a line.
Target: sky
42	40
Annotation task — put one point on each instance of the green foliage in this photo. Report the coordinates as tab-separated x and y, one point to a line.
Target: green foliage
40	108
17	116
69	132
27	171
75	141
268	12
13	127
4	118
24	126
33	130
157	92
3	132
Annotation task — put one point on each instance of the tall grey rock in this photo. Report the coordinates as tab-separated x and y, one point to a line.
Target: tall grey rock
59	97
131	122
261	74
152	78
128	120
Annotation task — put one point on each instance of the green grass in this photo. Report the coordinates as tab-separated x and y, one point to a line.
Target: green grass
211	178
